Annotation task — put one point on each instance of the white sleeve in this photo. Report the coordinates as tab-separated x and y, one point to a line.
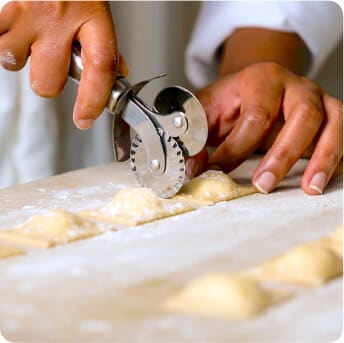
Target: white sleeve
319	24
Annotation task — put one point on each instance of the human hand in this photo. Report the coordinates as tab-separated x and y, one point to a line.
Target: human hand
45	30
266	106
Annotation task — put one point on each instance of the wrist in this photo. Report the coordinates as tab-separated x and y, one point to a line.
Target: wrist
247	46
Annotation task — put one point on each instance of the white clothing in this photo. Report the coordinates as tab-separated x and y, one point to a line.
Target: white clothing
37	136
28	128
319	24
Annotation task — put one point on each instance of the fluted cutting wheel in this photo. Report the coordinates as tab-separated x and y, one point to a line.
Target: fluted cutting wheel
167	184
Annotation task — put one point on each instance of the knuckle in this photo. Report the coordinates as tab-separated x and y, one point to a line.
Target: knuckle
312	86
12	8
260	117
309	113
205	97
281	155
103	61
272	67
333	156
266	68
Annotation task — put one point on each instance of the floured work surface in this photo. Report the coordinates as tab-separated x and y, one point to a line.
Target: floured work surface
110	287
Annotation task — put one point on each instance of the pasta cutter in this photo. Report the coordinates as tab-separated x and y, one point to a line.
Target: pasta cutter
155	138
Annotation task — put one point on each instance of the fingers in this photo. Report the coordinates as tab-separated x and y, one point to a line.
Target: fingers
259	111
50	60
328	152
8	14
14	50
100	61
221	102
197	164
302	124
14	41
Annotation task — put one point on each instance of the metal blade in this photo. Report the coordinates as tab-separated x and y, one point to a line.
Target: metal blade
167	184
179	99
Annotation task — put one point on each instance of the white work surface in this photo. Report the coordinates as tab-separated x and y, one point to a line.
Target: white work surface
109	288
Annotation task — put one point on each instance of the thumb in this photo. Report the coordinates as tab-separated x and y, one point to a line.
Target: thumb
196	164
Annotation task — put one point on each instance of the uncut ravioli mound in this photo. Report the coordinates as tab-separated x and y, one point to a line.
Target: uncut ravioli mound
308	265
211	187
6	251
132	206
52	228
140	202
220	295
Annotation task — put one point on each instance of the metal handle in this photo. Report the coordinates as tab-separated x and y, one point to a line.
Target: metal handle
76	66
120	88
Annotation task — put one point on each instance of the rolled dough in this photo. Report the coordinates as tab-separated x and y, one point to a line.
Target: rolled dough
134	206
220	295
308	265
211	187
52	228
6	251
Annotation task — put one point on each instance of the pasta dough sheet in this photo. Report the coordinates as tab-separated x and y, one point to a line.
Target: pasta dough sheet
222	295
211	187
307	265
6	251
134	206
52	228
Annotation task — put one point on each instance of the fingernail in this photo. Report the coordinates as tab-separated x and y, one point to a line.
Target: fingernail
318	182
191	168
84	124
266	182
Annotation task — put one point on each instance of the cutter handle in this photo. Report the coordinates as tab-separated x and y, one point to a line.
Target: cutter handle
76	66
120	87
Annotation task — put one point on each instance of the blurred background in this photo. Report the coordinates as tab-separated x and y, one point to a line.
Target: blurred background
152	37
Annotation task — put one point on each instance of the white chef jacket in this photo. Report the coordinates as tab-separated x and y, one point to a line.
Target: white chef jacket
318	23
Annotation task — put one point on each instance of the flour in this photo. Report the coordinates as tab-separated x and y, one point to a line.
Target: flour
95	326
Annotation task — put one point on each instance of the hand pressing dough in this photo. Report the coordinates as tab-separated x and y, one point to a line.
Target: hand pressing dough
133	206
6	251
308	265
52	228
220	295
211	187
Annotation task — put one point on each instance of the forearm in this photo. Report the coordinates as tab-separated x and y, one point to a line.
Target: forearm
247	46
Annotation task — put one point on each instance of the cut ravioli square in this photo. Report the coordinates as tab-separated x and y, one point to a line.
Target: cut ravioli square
134	206
211	187
220	295
308	265
52	228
